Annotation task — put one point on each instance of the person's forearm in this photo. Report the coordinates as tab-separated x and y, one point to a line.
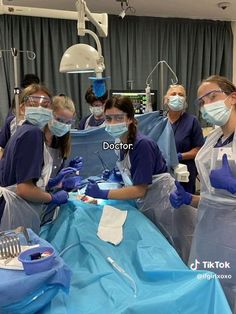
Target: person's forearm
191	154
32	193
128	192
195	200
1	152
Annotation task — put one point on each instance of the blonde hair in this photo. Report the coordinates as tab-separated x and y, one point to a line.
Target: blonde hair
63	102
165	98
174	86
63	142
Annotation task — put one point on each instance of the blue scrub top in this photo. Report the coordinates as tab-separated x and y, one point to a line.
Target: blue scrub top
146	160
23	158
5	132
92	122
188	135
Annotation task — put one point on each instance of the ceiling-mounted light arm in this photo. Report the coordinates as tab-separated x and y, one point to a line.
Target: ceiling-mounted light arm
100	21
83	58
100	61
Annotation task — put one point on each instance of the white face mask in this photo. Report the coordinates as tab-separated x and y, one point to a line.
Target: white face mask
58	128
216	113
96	111
176	103
38	116
116	130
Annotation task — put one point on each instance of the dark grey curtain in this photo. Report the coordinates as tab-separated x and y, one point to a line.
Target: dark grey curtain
194	49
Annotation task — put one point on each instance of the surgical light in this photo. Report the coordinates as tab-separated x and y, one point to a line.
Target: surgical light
83	58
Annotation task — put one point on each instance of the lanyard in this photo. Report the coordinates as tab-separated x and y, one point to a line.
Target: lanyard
227	141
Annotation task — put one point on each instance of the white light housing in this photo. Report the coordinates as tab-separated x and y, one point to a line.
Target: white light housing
81	58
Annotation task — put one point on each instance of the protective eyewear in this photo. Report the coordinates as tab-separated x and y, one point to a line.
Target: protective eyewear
64	120
115	117
209	95
35	101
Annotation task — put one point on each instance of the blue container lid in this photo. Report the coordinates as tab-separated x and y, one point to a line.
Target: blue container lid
43	263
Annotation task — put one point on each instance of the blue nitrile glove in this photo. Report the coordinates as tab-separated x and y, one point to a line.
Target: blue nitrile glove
71	183
179	196
112	175
180	156
76	163
58	198
58	178
223	178
106	174
93	190
115	176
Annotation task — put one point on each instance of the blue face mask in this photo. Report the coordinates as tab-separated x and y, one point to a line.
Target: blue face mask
38	116
116	130
216	113
58	128
176	103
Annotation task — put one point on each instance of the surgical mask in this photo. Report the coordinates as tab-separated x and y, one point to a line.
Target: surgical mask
116	130
38	116
58	128
216	113
176	103
96	111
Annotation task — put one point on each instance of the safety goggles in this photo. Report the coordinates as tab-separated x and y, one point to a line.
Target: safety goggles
115	117
35	101
209	95
64	120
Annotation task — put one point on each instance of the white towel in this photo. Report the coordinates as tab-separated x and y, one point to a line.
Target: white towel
110	225
14	263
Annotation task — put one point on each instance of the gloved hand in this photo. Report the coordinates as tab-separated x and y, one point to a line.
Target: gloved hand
59	198
77	163
180	156
106	174
112	175
223	178
115	176
58	178
179	196
93	190
71	183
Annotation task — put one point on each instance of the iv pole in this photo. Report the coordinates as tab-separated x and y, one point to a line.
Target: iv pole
160	63
31	56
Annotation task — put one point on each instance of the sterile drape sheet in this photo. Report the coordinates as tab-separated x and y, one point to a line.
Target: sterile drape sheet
89	143
27	294
159	282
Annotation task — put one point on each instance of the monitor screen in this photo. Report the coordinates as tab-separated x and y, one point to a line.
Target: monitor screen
138	98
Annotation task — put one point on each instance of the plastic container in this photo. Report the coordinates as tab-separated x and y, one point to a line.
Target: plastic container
40	264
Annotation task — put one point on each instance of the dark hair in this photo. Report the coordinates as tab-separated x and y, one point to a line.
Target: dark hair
226	85
124	104
90	97
29	79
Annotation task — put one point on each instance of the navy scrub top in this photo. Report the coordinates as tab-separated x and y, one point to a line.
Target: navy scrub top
188	135
146	160
22	159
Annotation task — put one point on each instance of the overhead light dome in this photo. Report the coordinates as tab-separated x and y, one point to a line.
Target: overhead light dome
81	58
